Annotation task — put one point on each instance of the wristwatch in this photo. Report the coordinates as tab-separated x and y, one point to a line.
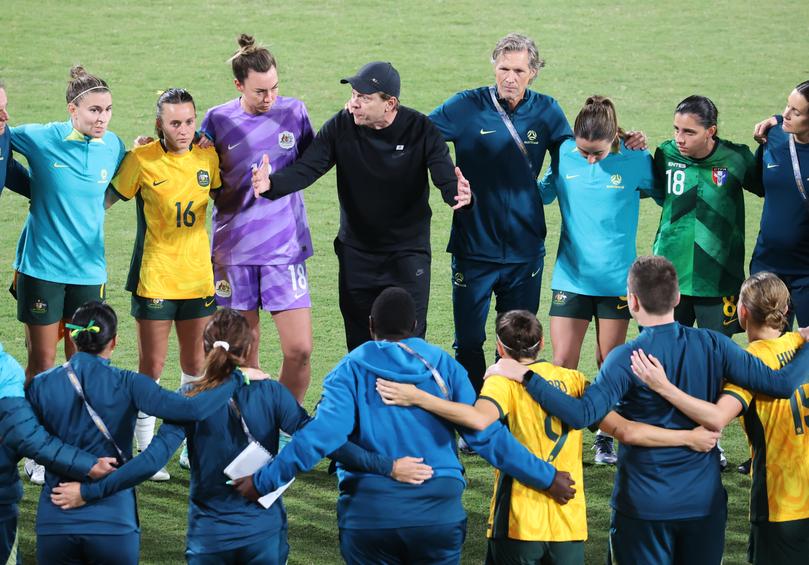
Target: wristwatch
527	376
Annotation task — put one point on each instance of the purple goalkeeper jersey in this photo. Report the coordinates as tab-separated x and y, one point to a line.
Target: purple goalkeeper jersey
249	230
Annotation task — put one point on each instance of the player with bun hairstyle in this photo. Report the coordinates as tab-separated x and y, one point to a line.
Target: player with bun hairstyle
105	532
700	178
224	527
598	182
259	247
170	278
775	427
60	255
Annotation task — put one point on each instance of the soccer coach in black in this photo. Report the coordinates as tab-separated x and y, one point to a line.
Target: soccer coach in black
383	152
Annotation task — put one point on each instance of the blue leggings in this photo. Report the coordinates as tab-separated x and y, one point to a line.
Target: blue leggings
95	549
8	541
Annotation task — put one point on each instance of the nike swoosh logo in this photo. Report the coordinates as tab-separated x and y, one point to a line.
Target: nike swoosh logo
535	273
159	182
622	306
728	322
485	131
59	166
298	295
772	165
209	303
234	146
568	177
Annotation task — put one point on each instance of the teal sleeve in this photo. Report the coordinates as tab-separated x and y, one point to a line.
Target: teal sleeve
140	468
646	179
154	400
548	185
21	140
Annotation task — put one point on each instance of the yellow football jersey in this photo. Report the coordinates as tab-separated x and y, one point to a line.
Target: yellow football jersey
520	512
172	255
778	432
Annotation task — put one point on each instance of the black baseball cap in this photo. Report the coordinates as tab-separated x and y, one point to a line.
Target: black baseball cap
375	77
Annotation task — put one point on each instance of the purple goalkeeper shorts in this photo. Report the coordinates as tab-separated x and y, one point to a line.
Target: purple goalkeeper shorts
273	288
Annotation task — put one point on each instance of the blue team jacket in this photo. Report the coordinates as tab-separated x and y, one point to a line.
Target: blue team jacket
219	519
350	408
507	222
116	395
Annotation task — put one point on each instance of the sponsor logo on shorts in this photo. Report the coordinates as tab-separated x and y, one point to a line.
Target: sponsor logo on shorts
203	178
616	182
286	140
719	175
209	301
223	289
155	304
622	303
532	137
419	272
299	294
458	280
39	306
560	298
727	323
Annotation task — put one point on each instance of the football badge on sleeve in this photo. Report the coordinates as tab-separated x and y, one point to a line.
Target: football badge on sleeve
719	175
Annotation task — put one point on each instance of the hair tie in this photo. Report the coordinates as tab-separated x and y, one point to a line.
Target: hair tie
223	344
80	94
76	330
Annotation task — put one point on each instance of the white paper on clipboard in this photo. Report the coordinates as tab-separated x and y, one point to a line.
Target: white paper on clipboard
251	459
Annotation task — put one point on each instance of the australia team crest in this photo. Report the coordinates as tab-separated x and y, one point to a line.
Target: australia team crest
286	140
719	175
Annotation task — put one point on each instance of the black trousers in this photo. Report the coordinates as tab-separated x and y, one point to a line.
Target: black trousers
365	274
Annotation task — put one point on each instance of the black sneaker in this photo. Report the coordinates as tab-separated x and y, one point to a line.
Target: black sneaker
744	468
605	454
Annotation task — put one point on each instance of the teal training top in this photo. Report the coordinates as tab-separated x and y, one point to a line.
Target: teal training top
599	205
63	237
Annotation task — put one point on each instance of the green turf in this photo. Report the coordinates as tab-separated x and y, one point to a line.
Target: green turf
647	56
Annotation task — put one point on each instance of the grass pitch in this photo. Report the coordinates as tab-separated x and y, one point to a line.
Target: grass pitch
646	56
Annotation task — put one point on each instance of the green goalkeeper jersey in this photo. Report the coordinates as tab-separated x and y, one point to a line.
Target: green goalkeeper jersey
701	226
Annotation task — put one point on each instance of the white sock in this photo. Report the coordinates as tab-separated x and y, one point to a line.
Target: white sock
187	379
604	434
144	429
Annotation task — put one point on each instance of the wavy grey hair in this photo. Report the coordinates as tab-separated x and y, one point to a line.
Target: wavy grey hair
519	42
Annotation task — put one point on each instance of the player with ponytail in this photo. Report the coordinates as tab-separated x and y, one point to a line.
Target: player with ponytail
260	246
93	405
224	527
599	184
60	257
171	277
